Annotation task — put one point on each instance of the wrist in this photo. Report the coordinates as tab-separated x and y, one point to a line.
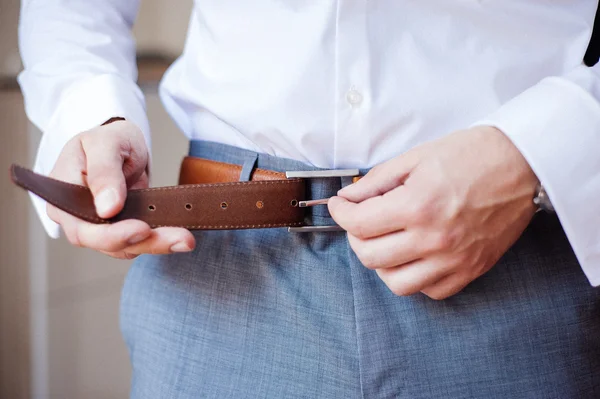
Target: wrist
521	171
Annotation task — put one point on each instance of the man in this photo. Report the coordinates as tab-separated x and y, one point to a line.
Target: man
466	112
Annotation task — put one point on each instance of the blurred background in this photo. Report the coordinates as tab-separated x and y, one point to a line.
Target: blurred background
59	305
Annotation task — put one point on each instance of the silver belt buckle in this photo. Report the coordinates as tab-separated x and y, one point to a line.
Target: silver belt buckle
318	174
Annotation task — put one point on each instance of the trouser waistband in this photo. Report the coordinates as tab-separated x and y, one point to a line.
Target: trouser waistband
316	188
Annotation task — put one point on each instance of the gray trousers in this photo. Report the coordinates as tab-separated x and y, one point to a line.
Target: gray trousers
272	314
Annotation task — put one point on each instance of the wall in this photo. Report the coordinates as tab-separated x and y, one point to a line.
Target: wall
162	25
14	255
14	214
10	62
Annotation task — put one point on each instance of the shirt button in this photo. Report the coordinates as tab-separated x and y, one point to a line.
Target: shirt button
354	97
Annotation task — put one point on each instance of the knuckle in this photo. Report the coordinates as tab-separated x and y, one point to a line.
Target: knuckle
443	240
375	172
400	289
126	132
143	181
455	236
369	257
52	213
454	206
464	260
110	246
436	295
74	237
130	256
356	227
135	129
422	211
124	126
404	284
124	255
74	143
376	169
398	286
89	138
359	230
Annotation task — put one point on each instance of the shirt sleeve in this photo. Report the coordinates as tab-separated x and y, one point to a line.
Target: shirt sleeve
556	126
79	71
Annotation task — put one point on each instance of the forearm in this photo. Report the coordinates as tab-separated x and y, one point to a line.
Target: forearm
80	70
556	126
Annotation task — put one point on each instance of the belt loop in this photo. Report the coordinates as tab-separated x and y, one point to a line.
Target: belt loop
346	181
248	167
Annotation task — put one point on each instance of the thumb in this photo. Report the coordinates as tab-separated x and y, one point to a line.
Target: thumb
381	178
105	176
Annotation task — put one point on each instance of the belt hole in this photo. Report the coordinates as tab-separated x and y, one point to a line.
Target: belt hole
152	208
294	202
188	207
224	205
260	204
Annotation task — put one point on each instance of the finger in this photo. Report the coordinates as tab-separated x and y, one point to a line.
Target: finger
446	287
411	278
142	182
373	217
381	179
120	255
389	250
53	213
70	165
164	240
103	237
105	177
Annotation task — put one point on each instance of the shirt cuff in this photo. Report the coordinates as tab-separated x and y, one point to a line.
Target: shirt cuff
556	126
86	105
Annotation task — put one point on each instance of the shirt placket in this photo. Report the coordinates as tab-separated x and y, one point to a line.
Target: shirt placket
352	88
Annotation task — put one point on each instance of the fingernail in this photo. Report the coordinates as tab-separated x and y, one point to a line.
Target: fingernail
139	237
180	247
105	200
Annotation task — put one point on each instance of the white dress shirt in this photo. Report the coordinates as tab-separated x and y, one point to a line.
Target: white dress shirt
337	84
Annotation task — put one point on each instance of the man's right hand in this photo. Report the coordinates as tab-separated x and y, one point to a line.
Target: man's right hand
110	159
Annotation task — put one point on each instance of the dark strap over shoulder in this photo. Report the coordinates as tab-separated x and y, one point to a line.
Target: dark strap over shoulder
593	52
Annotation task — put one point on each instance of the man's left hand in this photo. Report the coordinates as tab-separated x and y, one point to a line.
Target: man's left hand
437	217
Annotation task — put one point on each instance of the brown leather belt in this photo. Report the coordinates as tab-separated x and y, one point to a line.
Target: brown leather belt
209	197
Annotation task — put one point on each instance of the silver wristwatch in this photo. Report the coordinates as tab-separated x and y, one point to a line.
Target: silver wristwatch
541	199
